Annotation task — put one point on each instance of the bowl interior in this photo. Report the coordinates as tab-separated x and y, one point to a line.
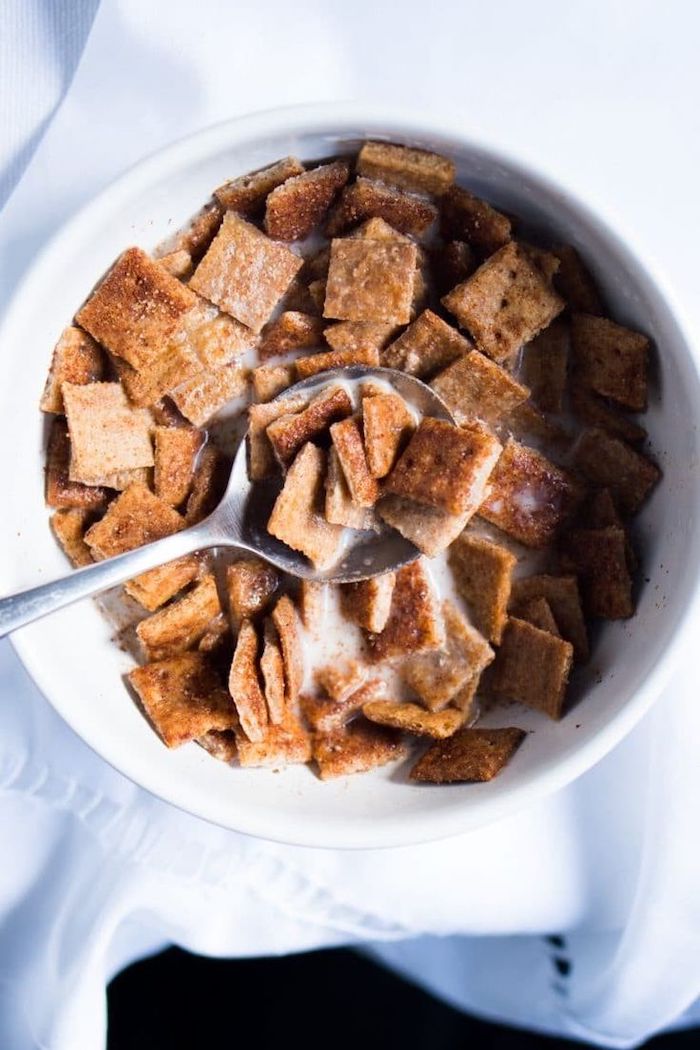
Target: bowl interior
71	655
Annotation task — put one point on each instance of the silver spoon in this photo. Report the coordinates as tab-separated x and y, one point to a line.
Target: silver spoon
239	521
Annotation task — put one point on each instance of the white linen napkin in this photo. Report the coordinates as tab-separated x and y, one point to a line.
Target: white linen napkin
97	872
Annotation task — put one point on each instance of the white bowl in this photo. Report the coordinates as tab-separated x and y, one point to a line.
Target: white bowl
71	656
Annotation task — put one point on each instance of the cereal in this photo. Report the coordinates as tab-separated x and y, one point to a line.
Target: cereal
107	435
69	528
261	458
176	450
157	586
286	621
247	193
358	336
538	612
411	718
296	517
340	508
476	388
482	573
250	586
324	714
312	602
368	602
592	410
612	464
340	681
181	624
206	393
544	368
217	633
211	476
300	203
272	668
220	743
370	280
468	218
311	366
349	446
387	423
415	622
292	330
60	490
77	359
427	345
600	557
469	755
430	529
452	264
611	360
562	596
244	686
370	199
177	263
270	380
136	517
574	282
356	748
289	432
281	745
199	233
532	667
412	169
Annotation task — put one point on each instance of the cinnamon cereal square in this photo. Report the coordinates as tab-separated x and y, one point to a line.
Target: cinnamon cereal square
290	331
475	388
595	412
427	345
198	234
272	669
356	748
206	393
136	517
532	667
482	574
107	435
261	458
371	199
157	586
211	476
370	280
281	745
289	432
412	169
340	508
387	424
430	529
414	719
465	217
300	203
286	621
181	624
600	557
297	516
270	380
611	463
247	194
176	450
340	680
574	282
69	528
177	263
544	366
358	336
368	602
562	596
350	448
415	621
324	714
452	263
250	586
312	602
611	360
76	359
60	490
244	684
323	362
471	755
539	613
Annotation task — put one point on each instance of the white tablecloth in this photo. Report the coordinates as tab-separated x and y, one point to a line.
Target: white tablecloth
97	873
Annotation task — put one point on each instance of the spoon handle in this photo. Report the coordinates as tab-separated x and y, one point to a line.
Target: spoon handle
19	609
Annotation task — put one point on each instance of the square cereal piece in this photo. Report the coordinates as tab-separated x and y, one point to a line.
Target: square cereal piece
600	557
211	337
272	668
378	230
76	359
211	476
244	272
544	366
368	602
296	207
157	586
270	380
350	448
136	308
370	280
387	423
216	635
506	303
182	623
177	263
325	715
611	360
340	680
282	745
60	490
562	596
206	393
354	336
414	719
69	528
574	282
107	435
532	667
445	466
340	508
145	386
176	451
427	345
312	602
135	517
470	756
452	264
220	743
297	516
289	432
412	169
356	748
286	621
183	698
370	199
247	194
261	458
244	684
482	574
415	622
527	422
611	463
439	676
538	612
430	529
292	330
475	388
198	234
250	586
529	497
592	410
316	363
465	217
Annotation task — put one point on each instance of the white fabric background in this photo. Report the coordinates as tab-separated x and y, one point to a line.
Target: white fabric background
96	873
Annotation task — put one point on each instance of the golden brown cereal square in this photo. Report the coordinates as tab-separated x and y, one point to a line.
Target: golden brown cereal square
611	360
532	667
281	745
354	336
145	386
445	466
210	337
176	451
414	719
136	517
290	331
427	345
612	464
482	574
244	684
368	602
505	303
470	755
574	282
529	497
412	169
465	217
69	528
177	263
272	668
300	203
452	263
198	234
60	490
350	448
562	596
476	388
439	676
250	585
244	272
107	435
286	622
136	308
356	748
538	612
325	715
211	477
76	359
430	529
180	625
289	432
600	557
261	458
247	194
594	411
387	423
312	365
312	602
341	679
297	516
415	622
183	698
340	508
544	366
270	380
370	280
206	393
157	586
371	199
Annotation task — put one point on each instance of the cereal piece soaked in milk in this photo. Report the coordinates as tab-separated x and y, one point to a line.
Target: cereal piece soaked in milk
60	490
244	684
611	463
76	359
69	528
325	715
341	680
601	560
368	602
415	622
611	360
340	508
292	330
350	448
532	667
413	169
475	388
107	435
289	432
372	199
427	345
370	281
286	621
300	203
247	194
261	457
387	424
482	573
469	756
562	596
176	451
272	668
182	623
